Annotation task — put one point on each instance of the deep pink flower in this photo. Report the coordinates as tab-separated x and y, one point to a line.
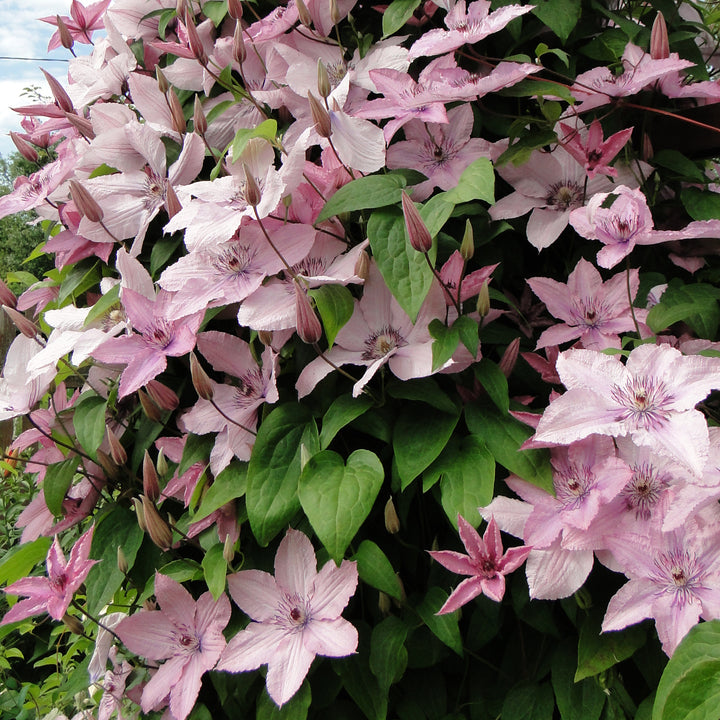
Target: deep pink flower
485	563
52	594
81	24
187	634
296	616
595	154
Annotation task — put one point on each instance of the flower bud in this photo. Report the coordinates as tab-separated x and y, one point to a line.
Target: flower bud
334	12
229	550
73	624
117	451
81	124
483	300
196	46
467	247
265	337
7	296
122	562
162	395
24	147
659	42
180	8
303	13
239	50
384	604
172	202
106	463
176	112
509	357
200	380
162	464
199	119
162	81
320	117
139	514
392	521
62	99
362	266
149	407
25	326
324	87
66	39
252	191
235	10
151	485
417	231
158	530
85	203
309	329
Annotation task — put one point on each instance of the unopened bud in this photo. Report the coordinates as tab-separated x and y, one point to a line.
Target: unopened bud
235	10
324	87
176	112
303	13
417	231
403	595
162	81
583	598
509	357
117	451
62	99
308	325
122	562
334	12
25	326
151	485
200	380
228	549
107	464
73	624
149	407
66	39
659	42
467	247
24	147
320	117
265	337
81	124
252	191
384	604
362	265
172	202
158	530
392	521
483	300
7	296
162	395
180	8
162	464
139	514
646	150
199	119
85	203
239	50
196	46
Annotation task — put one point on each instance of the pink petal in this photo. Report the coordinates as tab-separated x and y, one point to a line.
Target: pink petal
252	647
454	561
287	668
463	593
334	586
556	573
331	638
149	633
256	593
162	682
295	564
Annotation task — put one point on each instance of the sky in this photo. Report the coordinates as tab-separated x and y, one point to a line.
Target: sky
24	36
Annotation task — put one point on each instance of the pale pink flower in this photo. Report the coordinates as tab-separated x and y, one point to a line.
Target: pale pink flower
187	634
81	23
296	616
651	398
594	311
594	153
113	686
54	593
485	563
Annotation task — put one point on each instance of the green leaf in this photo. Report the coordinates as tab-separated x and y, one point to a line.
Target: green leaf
165	18
424	390
103	305
491	377
118	528
77	281
444	627
583	700
58	478
197	450
599	651
560	16
373	191
445	343
362	686
294	709
694	304
214	568
335	304
538	88
418	438
388	655
218	110
468	478
103	169
337	497
468	331
274	469
701	204
477	182
162	251
183	570
375	569
215	10
89	421
397	14
230	484
504	435
529	701
343	411
22	559
266	129
683	166
520	151
689	688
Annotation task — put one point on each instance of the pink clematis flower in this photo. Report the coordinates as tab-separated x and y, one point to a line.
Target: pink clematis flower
81	23
485	563
187	634
652	398
52	594
296	616
592	310
595	154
